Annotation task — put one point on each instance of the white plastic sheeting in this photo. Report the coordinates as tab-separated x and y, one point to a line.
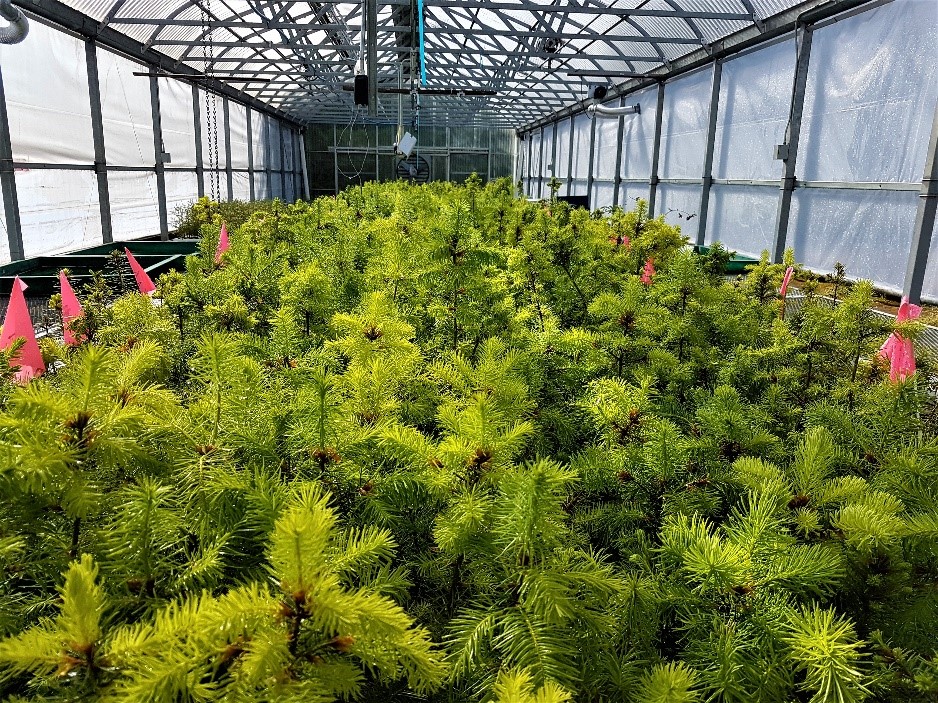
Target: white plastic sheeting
126	112
582	127
46	83
755	98
684	125
680	205
930	289
4	237
743	217
602	195
241	185
238	123
561	159
605	148
630	193
261	186
869	232
178	122
638	135
181	191
134	205
273	144
871	95
59	210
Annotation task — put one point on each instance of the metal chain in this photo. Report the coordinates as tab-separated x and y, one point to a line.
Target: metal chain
211	103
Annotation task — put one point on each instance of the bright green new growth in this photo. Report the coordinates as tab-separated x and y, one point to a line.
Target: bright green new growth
442	444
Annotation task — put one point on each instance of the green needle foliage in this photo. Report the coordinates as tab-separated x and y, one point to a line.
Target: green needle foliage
441	444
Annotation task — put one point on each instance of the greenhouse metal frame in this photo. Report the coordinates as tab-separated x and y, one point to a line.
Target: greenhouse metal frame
524	65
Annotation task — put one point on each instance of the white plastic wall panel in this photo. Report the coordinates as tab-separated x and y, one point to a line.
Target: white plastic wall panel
579	186
582	126
182	189
288	147
868	231
4	239
58	210
605	149
46	83
238	126
743	217
562	155
217	180
638	135
536	162
755	98
134	210
125	111
630	193
930	288
684	125
177	121
241	185
276	186
261	186
273	143
212	115
258	145
680	205
602	195
871	93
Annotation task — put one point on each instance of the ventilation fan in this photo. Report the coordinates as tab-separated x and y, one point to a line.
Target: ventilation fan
414	168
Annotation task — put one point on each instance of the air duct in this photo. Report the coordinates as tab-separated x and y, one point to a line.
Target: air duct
19	26
603	111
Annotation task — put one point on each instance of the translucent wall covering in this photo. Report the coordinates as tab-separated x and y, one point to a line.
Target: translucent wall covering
868	105
580	162
755	97
930	291
49	102
561	158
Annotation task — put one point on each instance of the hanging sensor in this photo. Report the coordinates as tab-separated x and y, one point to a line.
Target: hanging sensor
406	145
361	90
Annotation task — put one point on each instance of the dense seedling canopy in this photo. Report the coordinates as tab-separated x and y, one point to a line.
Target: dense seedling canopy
439	443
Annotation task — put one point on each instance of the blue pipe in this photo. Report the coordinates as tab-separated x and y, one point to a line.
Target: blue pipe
423	56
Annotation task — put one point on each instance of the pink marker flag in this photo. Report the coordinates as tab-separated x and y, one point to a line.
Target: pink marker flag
648	272
223	244
899	350
71	309
16	324
789	272
144	282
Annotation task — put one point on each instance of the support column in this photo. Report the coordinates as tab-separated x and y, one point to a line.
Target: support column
924	220
197	124
371	51
268	152
527	183
553	151
335	153
253	195
620	149
789	150
283	163
229	176
707	179
656	153
589	173
11	206
97	134
541	166
158	150
304	165
570	157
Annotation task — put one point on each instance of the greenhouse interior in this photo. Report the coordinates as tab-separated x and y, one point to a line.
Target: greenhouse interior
469	351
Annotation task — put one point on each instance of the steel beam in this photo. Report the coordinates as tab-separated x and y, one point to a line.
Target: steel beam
304	165
589	174
371	52
620	150
197	125
707	178
792	138
252	195
97	135
924	221
656	153
11	207
570	158
229	178
158	151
